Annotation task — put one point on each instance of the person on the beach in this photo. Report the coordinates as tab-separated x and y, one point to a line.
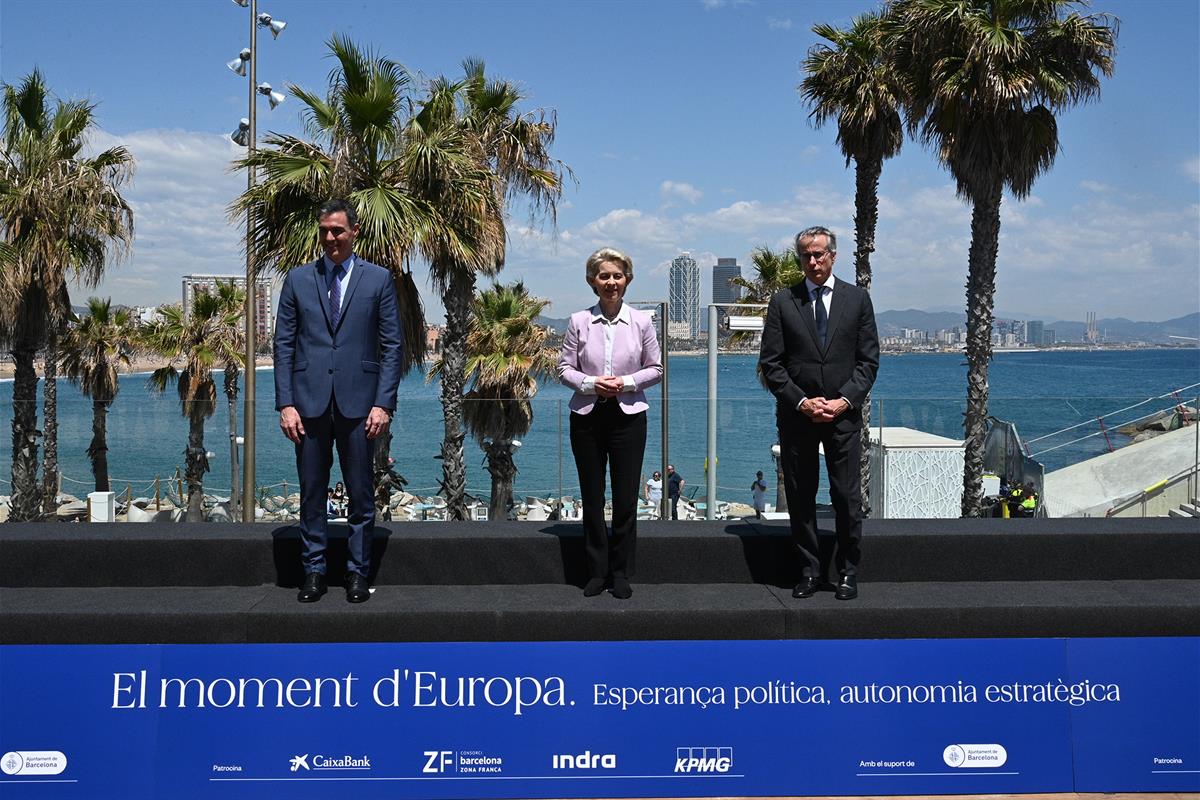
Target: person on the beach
758	494
610	356
654	489
674	489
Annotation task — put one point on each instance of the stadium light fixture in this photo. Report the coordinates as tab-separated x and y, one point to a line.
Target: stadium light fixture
238	65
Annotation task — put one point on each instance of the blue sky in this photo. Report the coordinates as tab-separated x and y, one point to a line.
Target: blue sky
684	128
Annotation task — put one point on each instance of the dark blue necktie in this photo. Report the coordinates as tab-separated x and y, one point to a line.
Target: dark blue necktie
335	295
822	315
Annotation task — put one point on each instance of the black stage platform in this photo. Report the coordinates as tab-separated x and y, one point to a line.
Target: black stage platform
519	581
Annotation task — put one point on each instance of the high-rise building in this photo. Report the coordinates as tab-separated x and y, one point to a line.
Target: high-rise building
723	288
263	322
1035	331
683	319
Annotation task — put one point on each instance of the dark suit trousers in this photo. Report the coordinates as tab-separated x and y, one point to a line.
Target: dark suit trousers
798	438
608	436
314	458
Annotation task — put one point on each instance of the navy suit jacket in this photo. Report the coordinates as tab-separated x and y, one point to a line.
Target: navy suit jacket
795	365
358	364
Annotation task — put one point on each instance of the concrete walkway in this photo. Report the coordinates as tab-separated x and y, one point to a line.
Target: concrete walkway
1090	488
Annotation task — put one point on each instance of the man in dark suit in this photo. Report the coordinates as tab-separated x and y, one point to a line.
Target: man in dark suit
338	359
820	354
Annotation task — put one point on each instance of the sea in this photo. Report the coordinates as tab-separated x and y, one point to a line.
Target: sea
1067	405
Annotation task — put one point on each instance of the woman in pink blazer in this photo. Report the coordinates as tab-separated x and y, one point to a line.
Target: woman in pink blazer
610	356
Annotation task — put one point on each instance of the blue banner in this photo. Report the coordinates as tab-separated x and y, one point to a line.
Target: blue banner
608	719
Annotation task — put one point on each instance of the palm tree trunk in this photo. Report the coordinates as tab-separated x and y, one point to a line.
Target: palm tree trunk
866	216
380	471
457	301
50	424
503	470
26	499
98	450
196	465
981	295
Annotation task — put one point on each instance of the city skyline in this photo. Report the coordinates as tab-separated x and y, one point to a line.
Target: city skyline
1120	204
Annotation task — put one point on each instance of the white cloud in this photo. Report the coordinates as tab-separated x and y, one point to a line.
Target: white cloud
1191	168
1055	261
1096	186
779	24
710	5
670	190
179	193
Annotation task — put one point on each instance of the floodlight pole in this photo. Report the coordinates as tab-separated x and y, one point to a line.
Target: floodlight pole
710	474
664	504
248	460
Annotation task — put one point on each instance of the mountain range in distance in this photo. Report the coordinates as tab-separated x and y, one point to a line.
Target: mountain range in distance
1119	329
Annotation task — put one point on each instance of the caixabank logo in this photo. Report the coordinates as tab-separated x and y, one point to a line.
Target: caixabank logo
320	762
703	760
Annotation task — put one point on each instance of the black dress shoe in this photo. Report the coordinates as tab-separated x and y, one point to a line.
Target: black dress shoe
807	587
621	589
357	590
847	588
312	588
594	587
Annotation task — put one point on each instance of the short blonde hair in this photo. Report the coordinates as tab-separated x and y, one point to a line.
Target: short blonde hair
606	255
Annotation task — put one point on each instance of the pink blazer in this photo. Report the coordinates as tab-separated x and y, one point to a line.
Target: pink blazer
636	356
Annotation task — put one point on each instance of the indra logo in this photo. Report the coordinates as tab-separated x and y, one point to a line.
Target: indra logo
704	760
299	762
585	760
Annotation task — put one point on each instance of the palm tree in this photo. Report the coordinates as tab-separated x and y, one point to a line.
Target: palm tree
416	190
359	148
94	350
62	216
513	148
208	336
773	271
506	357
983	80
852	82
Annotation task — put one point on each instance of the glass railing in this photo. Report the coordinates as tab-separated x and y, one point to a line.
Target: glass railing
917	459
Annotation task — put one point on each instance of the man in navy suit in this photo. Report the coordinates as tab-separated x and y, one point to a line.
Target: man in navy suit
338	359
820	354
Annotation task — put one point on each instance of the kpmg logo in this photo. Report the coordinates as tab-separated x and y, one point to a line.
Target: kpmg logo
704	760
298	762
585	760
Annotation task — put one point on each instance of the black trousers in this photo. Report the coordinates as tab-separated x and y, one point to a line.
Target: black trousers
603	439
798	439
